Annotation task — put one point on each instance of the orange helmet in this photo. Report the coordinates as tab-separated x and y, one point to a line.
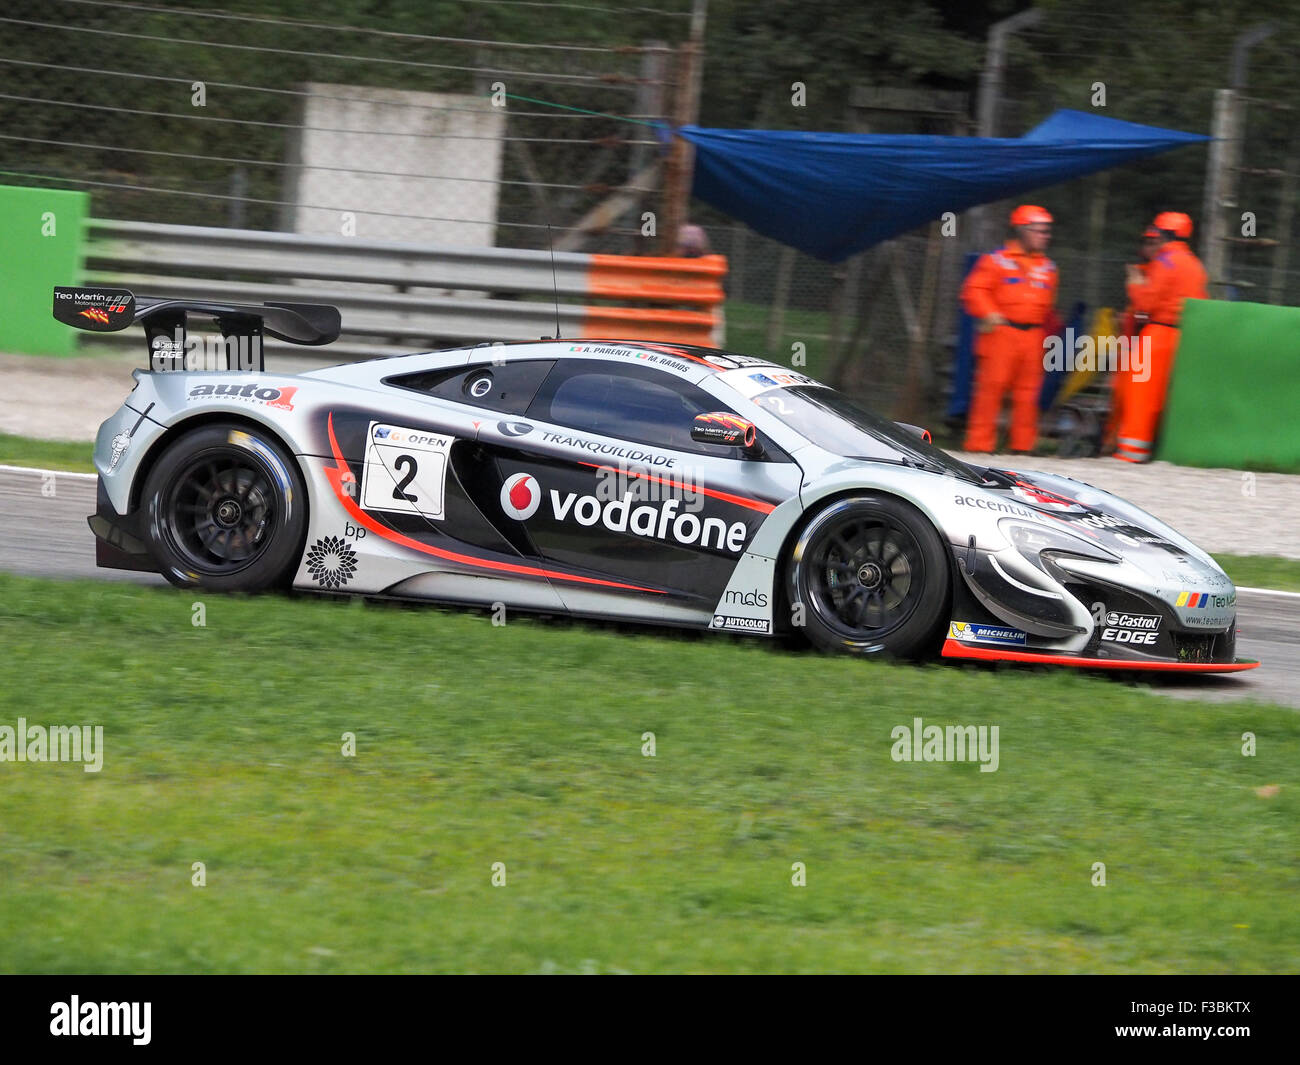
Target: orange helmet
1027	214
1175	222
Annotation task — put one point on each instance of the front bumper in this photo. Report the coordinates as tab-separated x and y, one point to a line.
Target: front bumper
955	649
1121	621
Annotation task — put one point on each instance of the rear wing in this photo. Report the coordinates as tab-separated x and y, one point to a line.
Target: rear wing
242	326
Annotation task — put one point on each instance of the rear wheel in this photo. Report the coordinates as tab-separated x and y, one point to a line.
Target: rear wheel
225	509
869	575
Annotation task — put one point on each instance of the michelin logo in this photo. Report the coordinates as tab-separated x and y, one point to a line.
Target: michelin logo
976	632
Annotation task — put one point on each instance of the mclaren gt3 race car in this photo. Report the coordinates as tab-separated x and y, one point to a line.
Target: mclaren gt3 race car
652	482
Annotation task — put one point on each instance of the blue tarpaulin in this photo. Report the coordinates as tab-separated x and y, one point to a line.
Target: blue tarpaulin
835	194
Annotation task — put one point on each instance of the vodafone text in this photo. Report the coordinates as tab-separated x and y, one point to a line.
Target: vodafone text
664	522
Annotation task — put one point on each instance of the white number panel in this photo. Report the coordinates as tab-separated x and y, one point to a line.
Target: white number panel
406	470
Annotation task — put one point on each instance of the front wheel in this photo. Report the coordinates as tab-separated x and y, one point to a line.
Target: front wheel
225	509
869	575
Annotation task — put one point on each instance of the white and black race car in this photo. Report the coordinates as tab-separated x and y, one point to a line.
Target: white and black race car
654	482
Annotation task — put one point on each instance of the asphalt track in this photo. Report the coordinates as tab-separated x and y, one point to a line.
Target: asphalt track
43	533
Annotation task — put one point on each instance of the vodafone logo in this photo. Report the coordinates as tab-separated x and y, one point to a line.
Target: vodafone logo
521	495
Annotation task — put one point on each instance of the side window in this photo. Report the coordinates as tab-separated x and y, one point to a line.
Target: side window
629	403
507	388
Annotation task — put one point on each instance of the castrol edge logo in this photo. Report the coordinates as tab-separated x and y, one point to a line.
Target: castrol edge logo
521	496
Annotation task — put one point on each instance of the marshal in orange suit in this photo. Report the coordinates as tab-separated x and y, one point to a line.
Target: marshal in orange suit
1010	292
1130	327
1158	293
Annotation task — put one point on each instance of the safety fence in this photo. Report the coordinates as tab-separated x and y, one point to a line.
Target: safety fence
396	298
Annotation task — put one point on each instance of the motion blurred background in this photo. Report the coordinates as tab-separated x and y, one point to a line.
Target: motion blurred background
279	117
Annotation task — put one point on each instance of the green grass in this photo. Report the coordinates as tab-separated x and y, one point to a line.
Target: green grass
46	454
522	744
1262	571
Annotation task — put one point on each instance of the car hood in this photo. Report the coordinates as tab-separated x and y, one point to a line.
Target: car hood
1115	524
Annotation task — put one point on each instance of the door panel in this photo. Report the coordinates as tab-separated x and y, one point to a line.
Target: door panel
666	519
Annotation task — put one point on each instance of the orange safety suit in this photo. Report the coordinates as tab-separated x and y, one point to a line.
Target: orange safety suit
1174	275
1021	287
1130	326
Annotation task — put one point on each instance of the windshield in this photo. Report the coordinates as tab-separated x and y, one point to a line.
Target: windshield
836	424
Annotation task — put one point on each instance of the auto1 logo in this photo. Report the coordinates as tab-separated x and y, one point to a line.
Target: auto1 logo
521	495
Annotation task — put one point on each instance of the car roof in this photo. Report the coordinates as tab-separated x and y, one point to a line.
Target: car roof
716	359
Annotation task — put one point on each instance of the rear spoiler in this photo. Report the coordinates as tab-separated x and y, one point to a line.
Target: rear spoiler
242	325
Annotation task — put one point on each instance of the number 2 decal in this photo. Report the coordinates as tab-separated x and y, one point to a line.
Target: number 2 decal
408	466
405	470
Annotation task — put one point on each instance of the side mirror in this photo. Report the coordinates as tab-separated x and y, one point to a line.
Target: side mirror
915	430
729	430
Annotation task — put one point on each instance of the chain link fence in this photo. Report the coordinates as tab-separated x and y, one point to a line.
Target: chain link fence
213	118
488	134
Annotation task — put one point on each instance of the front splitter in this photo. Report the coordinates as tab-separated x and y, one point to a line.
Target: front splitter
956	649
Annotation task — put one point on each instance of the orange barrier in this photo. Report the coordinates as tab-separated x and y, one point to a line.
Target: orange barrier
651	323
653	280
637	277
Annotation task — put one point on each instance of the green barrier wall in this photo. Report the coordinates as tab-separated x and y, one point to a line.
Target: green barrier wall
1235	396
41	231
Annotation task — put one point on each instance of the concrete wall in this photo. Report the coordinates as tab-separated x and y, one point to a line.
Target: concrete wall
409	154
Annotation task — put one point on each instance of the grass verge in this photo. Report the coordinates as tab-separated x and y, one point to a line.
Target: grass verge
70	455
523	745
1262	571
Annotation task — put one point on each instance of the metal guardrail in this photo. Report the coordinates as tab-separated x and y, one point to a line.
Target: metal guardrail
397	298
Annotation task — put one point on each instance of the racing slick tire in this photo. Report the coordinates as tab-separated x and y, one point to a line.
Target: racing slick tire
225	509
871	575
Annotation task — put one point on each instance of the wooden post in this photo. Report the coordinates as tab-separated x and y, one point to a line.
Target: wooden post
917	377
780	295
1286	210
679	166
1096	233
1221	188
736	273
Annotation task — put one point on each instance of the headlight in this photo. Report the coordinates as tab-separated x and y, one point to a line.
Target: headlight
1040	543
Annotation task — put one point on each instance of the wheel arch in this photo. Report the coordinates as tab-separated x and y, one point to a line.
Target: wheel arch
197	421
780	601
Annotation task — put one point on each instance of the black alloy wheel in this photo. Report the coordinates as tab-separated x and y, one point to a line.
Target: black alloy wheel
869	575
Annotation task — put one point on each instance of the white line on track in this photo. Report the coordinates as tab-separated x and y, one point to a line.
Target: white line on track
37	469
1269	591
